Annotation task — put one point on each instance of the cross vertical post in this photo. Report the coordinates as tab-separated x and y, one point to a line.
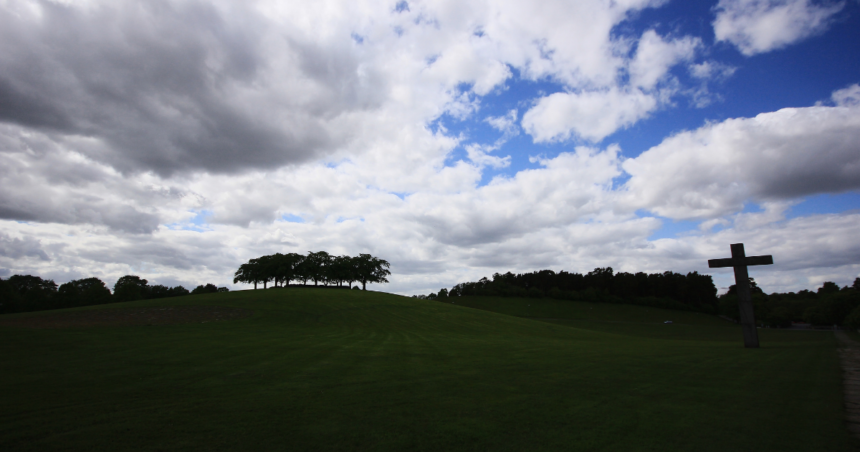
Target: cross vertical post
742	285
739	263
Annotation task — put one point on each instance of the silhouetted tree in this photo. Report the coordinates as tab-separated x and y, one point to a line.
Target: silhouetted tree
371	269
9	299
754	288
83	292
317	266
341	270
208	288
130	288
287	265
31	293
828	287
246	274
160	291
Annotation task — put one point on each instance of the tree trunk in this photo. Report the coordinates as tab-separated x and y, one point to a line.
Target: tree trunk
264	284
255	285
363	285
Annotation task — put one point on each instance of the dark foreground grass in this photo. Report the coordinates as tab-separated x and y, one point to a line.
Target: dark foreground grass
344	370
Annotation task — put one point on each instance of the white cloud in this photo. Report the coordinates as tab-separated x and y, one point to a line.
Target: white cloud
711	70
506	123
847	97
757	26
480	155
141	121
806	251
592	115
714	170
655	56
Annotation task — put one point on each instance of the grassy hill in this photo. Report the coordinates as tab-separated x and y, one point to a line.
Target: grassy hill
629	320
350	370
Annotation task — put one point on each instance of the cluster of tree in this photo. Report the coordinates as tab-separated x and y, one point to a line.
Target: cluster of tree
828	306
319	267
667	290
24	293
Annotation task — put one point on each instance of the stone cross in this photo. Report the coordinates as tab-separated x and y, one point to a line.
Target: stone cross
740	262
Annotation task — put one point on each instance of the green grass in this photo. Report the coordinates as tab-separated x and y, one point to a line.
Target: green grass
350	370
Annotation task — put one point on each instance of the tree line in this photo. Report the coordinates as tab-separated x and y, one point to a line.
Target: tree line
319	267
828	306
24	293
666	290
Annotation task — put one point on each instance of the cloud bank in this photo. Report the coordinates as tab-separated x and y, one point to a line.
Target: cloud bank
177	139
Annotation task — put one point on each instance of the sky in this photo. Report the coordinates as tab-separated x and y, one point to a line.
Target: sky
176	140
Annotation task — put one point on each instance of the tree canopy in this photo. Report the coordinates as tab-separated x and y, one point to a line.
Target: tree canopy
24	293
828	306
319	267
668	289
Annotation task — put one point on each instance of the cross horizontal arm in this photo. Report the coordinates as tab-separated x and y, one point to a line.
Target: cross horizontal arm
747	261
720	263
760	260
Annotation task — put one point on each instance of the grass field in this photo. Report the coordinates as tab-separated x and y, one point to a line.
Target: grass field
350	370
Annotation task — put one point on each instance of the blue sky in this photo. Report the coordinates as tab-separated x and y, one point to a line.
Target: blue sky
454	139
798	75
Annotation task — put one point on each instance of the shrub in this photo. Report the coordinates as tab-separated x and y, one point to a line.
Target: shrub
853	319
818	314
534	292
780	317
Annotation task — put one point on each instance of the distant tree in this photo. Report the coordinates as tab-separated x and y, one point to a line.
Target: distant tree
269	267
350	269
245	274
828	287
178	291
341	270
303	270
371	269
780	317
83	292
254	271
264	269
853	319
754	288
130	288
819	314
208	288
159	291
32	293
320	267
287	267
317	266
600	278
9	299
